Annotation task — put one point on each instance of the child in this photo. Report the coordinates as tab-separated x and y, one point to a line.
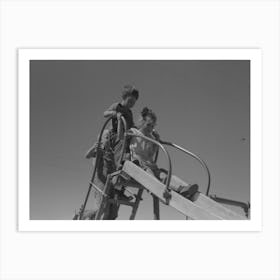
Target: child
110	144
129	97
143	151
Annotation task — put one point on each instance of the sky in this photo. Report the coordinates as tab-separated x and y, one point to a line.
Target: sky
201	105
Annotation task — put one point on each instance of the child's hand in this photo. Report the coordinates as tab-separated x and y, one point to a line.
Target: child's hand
156	135
118	115
111	113
114	113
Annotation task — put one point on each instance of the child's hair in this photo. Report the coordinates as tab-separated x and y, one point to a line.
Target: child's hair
146	112
130	90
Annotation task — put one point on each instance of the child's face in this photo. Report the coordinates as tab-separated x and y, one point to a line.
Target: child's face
129	101
148	125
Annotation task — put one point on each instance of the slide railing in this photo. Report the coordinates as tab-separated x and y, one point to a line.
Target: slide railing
195	157
82	210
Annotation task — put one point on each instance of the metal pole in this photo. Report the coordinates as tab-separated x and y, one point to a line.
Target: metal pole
124	141
195	157
94	170
156	207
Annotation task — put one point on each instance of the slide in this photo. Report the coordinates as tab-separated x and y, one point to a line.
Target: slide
203	208
209	204
177	201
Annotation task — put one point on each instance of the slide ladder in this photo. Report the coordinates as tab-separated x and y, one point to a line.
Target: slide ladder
110	202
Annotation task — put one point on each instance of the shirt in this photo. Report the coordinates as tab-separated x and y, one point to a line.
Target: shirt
143	150
126	112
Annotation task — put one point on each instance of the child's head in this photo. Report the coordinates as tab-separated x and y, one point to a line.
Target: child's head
147	121
129	95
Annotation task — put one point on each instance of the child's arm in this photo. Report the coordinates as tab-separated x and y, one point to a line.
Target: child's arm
156	135
111	111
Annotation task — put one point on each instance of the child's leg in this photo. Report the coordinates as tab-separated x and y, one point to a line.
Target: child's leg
180	186
177	185
153	171
91	153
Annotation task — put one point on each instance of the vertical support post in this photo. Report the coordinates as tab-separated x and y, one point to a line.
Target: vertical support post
104	199
156	207
136	205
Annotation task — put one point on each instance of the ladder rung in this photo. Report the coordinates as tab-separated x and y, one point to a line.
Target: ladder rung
130	192
97	188
132	204
119	172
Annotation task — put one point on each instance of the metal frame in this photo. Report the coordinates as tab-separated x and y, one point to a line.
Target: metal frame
159	144
82	210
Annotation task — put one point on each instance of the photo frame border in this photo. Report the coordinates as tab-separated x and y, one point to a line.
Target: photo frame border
255	57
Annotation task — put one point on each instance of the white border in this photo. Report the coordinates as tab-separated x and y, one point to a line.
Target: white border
254	55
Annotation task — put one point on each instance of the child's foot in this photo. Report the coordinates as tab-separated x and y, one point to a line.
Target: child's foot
91	153
189	191
136	161
122	196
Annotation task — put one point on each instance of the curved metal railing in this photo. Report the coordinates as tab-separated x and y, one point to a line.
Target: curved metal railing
195	157
82	210
123	121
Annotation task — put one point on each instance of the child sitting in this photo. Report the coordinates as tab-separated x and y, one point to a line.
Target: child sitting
143	151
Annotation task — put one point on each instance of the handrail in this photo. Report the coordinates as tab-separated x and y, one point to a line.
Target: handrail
164	150
82	210
125	139
98	158
195	157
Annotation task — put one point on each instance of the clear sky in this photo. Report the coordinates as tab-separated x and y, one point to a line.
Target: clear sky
203	106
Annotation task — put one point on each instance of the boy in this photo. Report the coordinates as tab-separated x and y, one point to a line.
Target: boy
129	97
111	149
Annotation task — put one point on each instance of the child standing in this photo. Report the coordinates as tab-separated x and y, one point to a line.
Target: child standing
123	108
110	143
129	97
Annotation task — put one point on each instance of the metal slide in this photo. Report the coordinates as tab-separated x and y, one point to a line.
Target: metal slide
209	204
203	208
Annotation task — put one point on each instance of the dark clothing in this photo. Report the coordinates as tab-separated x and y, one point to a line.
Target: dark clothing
109	158
126	112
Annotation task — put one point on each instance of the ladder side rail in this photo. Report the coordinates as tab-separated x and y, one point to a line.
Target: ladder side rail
136	205
123	121
104	199
204	165
95	168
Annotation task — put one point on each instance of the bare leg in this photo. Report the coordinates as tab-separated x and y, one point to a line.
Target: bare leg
176	184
